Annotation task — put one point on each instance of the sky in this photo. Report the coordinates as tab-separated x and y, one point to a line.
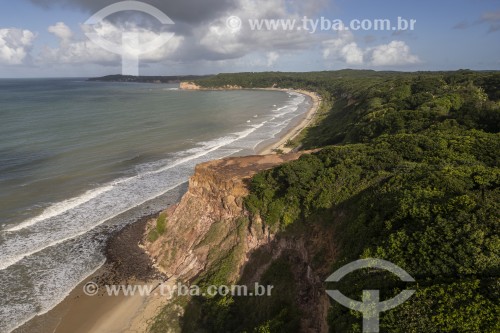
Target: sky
49	38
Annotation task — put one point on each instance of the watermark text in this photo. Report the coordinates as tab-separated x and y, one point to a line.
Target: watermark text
323	24
173	290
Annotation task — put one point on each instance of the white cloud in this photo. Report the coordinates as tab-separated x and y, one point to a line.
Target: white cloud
352	54
345	49
15	45
272	57
396	53
217	41
208	40
61	30
222	41
79	51
211	42
73	51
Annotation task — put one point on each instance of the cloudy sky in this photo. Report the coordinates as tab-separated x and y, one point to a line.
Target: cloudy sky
47	38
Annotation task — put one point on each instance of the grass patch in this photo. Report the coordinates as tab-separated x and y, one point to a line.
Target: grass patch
153	236
213	236
160	228
225	261
161	223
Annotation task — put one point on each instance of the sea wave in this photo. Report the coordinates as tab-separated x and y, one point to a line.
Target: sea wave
49	246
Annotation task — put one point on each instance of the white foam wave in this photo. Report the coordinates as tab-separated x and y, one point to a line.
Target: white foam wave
14	259
61	207
74	217
64	206
58	228
62	227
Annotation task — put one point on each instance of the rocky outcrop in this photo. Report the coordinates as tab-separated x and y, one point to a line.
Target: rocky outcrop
205	222
194	86
189	86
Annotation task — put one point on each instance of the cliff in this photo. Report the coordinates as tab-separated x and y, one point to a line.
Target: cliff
205	220
193	86
210	239
189	86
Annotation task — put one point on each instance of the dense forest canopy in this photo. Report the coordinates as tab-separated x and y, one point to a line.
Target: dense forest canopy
408	171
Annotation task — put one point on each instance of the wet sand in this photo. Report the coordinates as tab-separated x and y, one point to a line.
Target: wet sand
98	311
294	131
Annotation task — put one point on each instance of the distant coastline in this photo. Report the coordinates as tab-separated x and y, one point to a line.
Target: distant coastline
186	83
147	79
287	134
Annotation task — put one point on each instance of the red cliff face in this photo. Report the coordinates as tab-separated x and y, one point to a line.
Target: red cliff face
204	223
208	234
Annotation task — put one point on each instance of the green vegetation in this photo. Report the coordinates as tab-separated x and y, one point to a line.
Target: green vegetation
276	313
225	254
290	144
169	316
407	170
428	202
160	228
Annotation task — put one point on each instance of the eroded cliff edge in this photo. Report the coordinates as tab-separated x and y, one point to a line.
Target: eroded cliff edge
193	86
207	215
209	236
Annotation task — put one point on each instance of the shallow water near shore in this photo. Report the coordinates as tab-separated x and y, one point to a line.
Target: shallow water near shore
79	159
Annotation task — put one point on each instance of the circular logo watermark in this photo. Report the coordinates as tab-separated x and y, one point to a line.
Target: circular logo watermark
91	289
371	306
130	49
234	23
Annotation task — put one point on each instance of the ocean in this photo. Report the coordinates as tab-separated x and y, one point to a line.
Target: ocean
81	159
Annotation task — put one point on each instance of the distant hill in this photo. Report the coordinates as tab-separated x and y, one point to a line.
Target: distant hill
148	79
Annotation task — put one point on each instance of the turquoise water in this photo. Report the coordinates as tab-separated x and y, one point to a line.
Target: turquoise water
79	159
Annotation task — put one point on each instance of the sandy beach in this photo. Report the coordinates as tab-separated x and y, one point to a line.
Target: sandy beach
294	131
90	307
127	264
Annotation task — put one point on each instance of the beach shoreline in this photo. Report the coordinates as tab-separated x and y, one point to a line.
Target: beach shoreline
290	133
90	307
81	313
